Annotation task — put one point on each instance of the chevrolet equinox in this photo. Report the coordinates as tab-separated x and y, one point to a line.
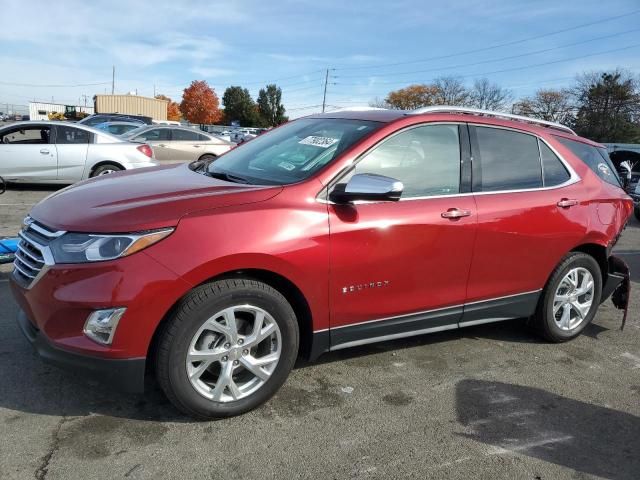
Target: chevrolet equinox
330	231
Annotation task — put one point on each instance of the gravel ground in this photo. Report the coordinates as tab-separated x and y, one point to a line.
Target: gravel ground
487	402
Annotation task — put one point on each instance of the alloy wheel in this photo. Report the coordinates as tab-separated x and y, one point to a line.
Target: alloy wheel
573	298
234	353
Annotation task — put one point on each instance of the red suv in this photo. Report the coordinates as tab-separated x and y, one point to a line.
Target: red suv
331	231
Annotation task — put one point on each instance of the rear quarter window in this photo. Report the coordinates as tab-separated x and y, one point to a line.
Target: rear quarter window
597	159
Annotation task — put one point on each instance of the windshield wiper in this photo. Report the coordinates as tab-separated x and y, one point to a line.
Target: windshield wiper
227	176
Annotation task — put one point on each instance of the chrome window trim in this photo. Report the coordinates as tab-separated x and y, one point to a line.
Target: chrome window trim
573	176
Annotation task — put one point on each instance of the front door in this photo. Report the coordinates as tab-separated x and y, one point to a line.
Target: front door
72	145
401	268
27	153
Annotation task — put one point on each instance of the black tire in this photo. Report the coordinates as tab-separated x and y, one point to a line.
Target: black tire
544	319
105	169
636	212
198	306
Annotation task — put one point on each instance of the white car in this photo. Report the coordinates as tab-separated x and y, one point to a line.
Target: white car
59	152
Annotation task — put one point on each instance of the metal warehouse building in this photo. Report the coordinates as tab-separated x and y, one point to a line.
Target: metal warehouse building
131	104
41	111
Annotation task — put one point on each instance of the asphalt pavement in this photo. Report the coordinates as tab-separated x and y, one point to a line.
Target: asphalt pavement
486	402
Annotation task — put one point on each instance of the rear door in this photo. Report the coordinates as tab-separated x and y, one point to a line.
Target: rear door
530	214
27	153
72	145
186	145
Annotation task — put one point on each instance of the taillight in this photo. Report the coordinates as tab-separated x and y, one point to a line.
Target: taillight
146	149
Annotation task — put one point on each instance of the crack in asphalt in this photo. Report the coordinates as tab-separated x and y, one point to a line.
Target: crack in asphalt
43	468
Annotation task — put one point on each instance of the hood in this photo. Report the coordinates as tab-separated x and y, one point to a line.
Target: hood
142	199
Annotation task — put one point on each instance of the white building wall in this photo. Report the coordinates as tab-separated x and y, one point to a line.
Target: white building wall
41	111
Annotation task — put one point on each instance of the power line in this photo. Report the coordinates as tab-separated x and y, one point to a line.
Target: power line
628	47
483	62
492	47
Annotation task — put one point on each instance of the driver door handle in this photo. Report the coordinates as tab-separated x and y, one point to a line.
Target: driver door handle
567	203
454	213
44	151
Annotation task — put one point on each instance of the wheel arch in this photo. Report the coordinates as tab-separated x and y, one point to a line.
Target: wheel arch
599	253
292	293
105	162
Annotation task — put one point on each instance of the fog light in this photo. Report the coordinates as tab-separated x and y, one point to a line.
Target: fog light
101	325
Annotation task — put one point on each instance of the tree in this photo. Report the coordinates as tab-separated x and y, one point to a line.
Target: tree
412	97
608	107
173	109
378	103
489	96
239	107
200	103
451	91
270	107
551	105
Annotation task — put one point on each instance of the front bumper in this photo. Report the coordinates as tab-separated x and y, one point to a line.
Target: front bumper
125	375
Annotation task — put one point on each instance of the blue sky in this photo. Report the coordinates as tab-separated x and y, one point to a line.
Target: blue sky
374	46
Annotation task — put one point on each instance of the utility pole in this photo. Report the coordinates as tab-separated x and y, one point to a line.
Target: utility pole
324	95
154	90
113	79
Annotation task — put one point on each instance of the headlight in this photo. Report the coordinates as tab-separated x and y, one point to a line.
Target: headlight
85	247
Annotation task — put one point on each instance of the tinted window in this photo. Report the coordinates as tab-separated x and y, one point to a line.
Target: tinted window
153	134
184	135
27	135
553	170
70	135
425	159
203	138
596	159
509	160
294	151
95	120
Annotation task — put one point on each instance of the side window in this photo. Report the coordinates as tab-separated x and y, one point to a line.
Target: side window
508	160
28	135
554	172
70	135
203	138
425	159
596	159
184	135
155	134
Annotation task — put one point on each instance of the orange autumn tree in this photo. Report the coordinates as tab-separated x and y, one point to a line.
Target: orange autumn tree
200	103
173	109
413	96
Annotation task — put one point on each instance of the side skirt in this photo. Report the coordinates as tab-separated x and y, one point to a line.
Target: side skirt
449	318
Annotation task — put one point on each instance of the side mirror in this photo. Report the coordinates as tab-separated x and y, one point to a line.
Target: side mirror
367	186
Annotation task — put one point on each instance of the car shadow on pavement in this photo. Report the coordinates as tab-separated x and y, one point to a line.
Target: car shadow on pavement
514	419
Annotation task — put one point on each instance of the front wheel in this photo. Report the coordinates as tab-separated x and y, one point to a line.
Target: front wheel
228	348
570	299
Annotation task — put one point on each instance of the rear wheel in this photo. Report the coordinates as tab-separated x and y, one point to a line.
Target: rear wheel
228	348
207	158
570	299
105	169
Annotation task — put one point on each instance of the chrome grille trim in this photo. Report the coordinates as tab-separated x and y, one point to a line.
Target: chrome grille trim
33	257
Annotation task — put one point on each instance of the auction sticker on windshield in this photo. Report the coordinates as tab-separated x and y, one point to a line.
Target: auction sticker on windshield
322	142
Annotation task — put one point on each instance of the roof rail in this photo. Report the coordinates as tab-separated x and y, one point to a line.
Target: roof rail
358	108
489	113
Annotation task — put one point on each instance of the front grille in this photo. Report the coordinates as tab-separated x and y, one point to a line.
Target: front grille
33	253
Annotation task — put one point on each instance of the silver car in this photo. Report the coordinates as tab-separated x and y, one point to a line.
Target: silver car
179	144
58	152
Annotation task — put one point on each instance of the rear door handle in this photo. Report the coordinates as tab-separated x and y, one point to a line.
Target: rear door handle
454	213
196	146
161	145
44	151
567	202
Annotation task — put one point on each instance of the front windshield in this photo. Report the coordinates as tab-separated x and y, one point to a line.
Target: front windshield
292	152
